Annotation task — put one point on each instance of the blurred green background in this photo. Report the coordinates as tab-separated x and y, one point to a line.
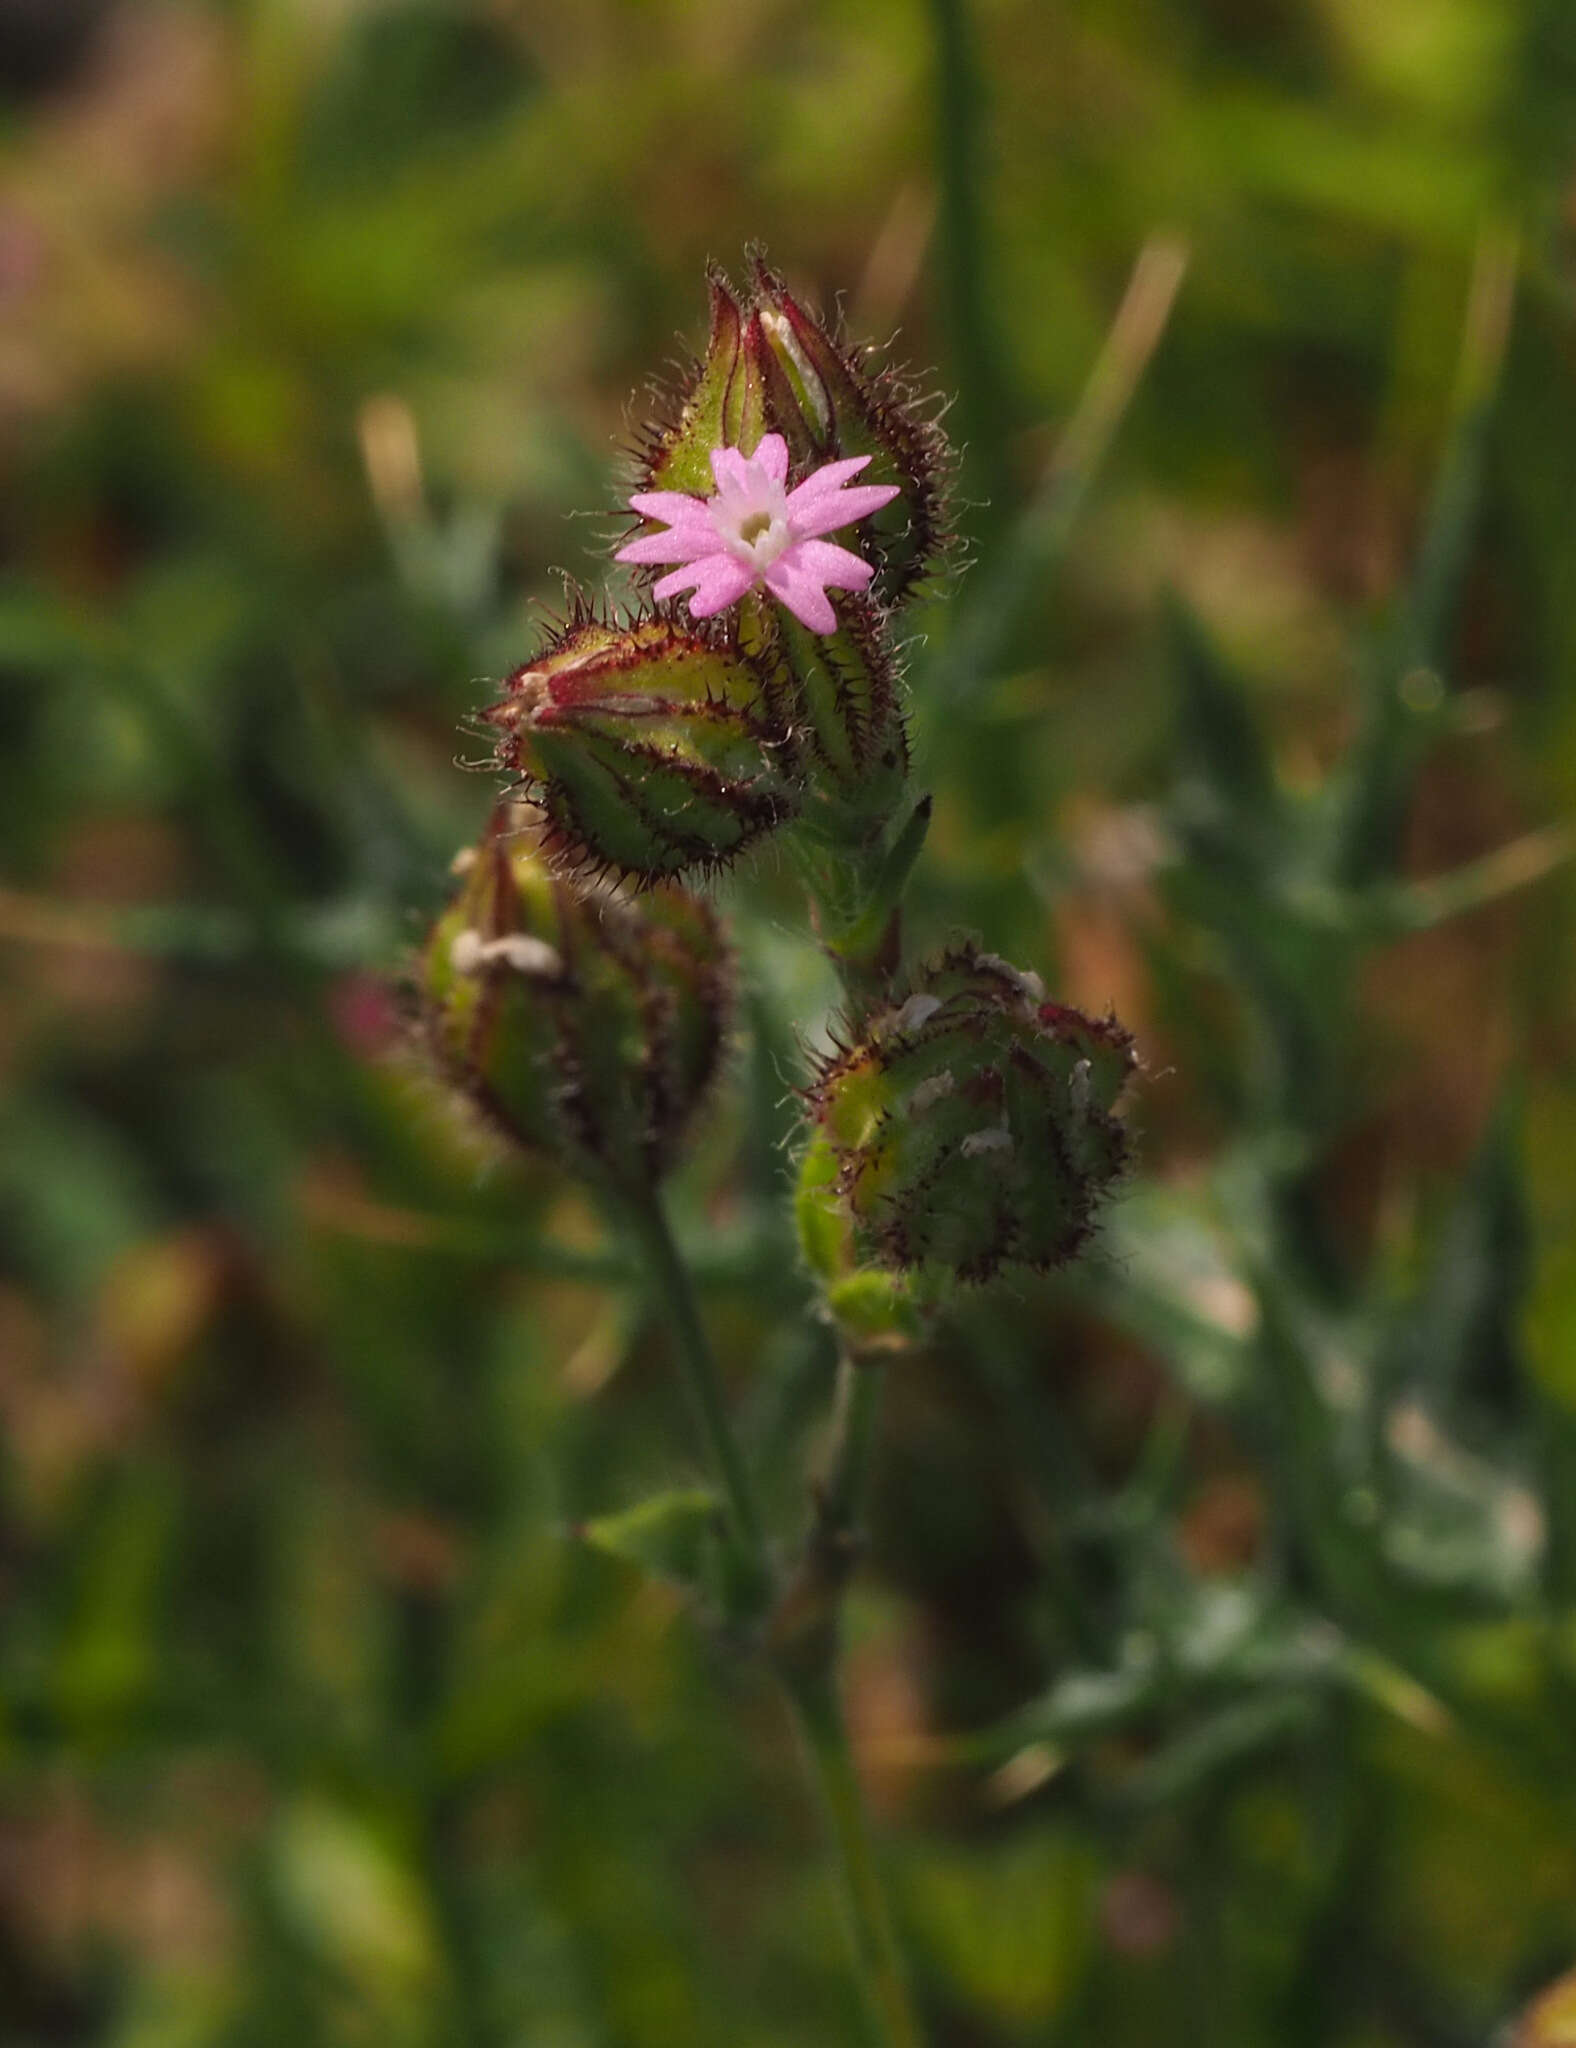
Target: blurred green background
1213	1668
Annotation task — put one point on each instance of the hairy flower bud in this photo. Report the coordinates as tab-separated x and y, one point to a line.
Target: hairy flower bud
972	1125
770	366
581	1024
655	749
850	408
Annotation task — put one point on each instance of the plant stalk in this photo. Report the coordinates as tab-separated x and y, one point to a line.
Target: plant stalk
855	1412
805	1645
812	1692
806	1662
703	1385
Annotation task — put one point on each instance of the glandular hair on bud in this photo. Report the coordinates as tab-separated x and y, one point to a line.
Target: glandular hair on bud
972	1124
581	1024
655	749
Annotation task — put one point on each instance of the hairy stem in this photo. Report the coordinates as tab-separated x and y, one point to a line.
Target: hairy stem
703	1385
818	1713
804	1651
804	1632
857	1407
805	1644
857	908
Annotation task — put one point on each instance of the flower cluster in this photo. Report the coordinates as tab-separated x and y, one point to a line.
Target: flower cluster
662	745
967	1123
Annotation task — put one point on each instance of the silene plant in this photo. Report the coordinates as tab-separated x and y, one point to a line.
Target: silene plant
578	990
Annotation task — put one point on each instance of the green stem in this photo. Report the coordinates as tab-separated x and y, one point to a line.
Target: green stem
703	1385
804	1631
456	1927
818	1712
805	1658
867	950
1398	724
858	916
855	893
805	1652
856	1410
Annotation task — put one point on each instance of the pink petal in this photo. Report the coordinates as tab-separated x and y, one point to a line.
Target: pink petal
801	574
803	596
828	563
676	508
827	478
839	508
771	457
717	580
678	544
728	468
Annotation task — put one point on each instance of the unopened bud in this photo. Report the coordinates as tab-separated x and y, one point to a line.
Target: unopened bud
653	748
580	1024
972	1125
847	407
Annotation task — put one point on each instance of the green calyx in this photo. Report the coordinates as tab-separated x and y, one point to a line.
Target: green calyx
971	1125
655	749
581	1024
842	696
849	738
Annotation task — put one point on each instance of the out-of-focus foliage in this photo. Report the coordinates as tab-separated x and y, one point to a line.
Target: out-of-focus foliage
1214	1669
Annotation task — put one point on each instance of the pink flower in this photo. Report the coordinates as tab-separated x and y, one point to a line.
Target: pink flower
755	530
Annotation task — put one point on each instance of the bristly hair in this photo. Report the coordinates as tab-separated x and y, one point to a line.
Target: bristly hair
758	801
889	400
897	407
995	1015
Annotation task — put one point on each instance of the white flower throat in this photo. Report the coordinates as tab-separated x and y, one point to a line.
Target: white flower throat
755	527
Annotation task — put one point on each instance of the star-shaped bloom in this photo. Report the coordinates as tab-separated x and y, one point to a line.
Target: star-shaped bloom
755	530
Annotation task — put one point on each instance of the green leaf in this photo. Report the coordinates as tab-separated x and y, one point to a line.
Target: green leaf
1219	736
1078	1709
1466	1329
1218	1743
1407	704
674	1536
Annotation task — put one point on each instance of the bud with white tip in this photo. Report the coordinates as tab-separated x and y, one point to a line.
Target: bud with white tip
581	1024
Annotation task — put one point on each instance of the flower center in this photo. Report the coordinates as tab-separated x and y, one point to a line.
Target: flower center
752	525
